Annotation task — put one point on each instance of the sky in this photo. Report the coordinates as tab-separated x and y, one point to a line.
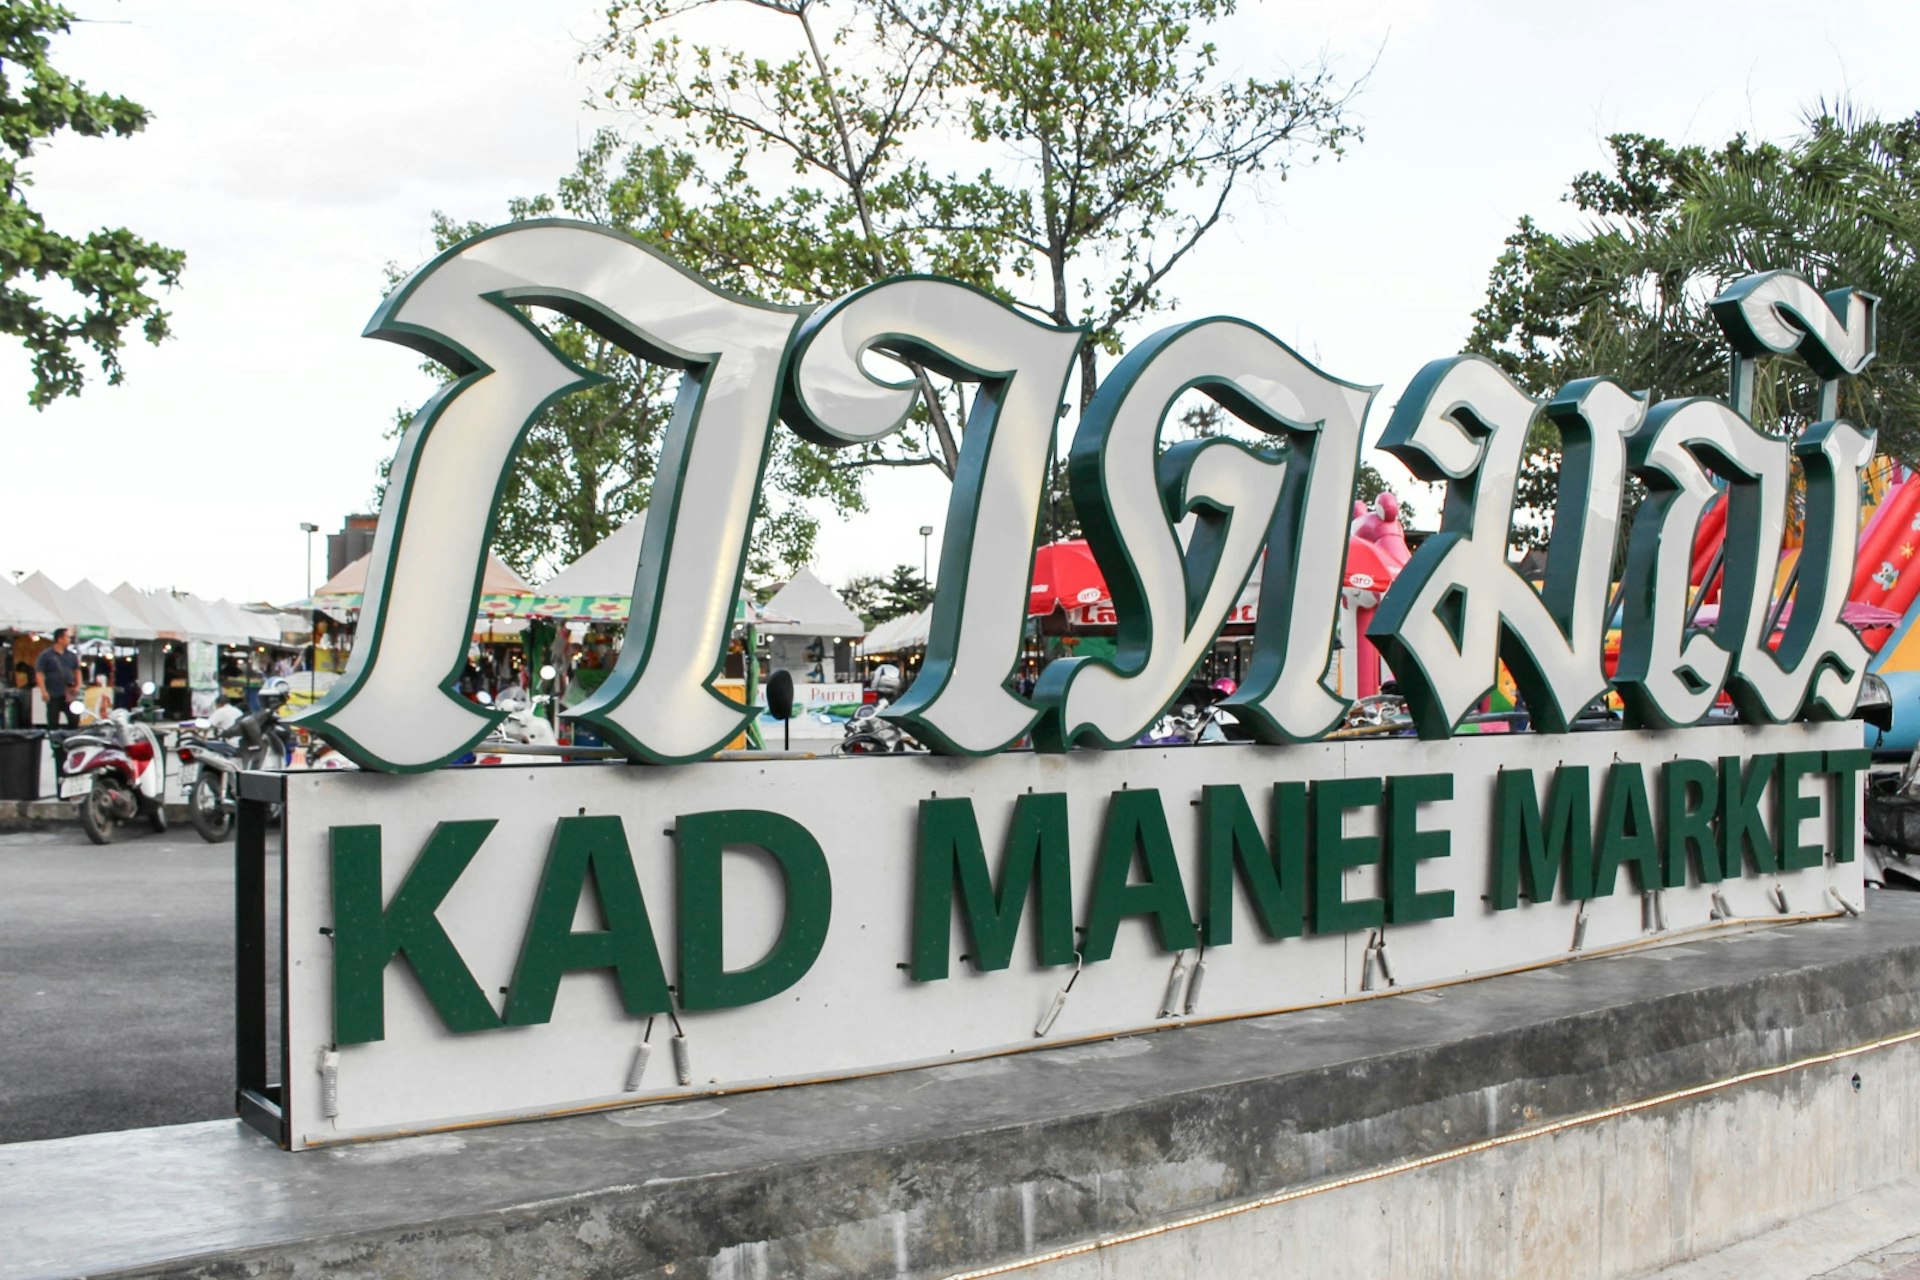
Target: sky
295	153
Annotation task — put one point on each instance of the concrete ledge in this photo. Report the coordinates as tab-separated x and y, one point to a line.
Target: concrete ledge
933	1171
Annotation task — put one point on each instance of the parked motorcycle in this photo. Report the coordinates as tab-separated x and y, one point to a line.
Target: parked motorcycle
127	771
263	743
869	735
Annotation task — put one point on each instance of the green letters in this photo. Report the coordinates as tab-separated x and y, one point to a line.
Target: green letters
1530	856
581	847
1626	831
1275	881
366	936
952	865
1136	823
701	839
1793	806
1408	846
1334	852
1740	823
1691	803
1846	767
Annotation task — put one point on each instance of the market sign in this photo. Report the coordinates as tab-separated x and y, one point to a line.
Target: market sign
834	375
469	945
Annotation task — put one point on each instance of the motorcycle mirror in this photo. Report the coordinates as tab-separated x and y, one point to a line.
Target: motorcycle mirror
484	698
78	707
780	695
146	689
547	672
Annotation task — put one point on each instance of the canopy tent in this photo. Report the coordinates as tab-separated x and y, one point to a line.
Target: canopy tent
909	631
207	623
122	623
606	569
807	606
502	591
21	612
598	587
70	612
156	608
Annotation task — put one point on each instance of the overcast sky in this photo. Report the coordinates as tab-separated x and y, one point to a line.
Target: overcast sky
295	152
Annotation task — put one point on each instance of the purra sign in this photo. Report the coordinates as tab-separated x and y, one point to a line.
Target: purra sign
467	945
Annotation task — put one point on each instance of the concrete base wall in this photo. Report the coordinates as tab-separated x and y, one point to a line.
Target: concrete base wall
989	1164
1616	1198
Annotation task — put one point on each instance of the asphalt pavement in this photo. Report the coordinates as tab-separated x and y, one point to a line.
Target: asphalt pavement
116	982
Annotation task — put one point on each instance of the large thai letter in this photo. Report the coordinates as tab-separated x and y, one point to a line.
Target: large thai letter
395	709
1778	312
1459	606
1668	676
1170	601
960	703
1820	664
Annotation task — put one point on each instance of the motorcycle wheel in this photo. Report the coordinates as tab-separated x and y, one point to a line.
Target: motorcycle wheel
96	814
157	817
860	747
206	808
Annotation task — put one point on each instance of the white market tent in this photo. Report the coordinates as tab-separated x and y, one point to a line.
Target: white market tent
814	608
205	622
606	569
156	608
909	631
351	582
63	606
21	612
122	623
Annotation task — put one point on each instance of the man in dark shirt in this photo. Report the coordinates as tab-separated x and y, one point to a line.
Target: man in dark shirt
57	672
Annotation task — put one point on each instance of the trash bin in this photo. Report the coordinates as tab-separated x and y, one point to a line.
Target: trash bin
20	763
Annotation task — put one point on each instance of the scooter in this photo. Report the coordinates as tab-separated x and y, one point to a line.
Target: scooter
127	769
867	734
213	800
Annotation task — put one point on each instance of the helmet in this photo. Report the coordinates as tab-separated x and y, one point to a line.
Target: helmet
1224	687
886	680
275	692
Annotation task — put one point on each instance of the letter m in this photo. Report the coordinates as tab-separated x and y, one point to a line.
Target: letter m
951	871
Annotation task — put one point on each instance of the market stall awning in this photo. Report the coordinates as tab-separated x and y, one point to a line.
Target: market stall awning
122	623
809	607
155	608
345	588
606	569
84	620
21	612
207	623
909	631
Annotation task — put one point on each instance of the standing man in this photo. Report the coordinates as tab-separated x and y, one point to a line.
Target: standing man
57	672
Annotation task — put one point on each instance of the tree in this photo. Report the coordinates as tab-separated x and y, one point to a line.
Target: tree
586	465
1108	145
904	592
108	271
1668	227
864	594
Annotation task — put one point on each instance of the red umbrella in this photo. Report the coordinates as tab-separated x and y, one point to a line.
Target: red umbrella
1064	576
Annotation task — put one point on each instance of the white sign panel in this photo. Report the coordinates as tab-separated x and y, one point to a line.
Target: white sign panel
483	944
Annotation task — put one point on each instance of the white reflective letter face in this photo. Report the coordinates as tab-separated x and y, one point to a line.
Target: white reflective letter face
395	709
1171	601
960	702
1458	605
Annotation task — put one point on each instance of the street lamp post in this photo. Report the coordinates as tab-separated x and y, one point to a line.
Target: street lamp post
313	641
926	531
